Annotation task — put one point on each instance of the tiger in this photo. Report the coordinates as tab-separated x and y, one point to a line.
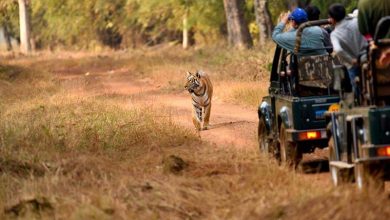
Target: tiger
201	90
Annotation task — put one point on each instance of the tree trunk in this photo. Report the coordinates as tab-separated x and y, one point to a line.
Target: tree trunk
185	30
24	21
263	20
7	37
292	4
238	31
303	3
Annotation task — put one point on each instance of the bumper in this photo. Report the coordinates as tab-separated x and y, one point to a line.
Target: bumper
308	140
372	153
306	135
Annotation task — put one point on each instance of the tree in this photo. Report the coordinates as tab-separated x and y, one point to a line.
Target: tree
263	20
7	37
323	5
238	31
291	4
24	21
186	4
8	19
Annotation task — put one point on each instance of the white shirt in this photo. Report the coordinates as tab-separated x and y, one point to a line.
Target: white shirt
348	43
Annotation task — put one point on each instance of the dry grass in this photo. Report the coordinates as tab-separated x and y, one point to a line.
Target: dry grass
100	156
245	93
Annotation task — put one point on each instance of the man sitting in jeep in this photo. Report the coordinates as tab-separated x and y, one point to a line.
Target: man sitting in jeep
348	43
312	37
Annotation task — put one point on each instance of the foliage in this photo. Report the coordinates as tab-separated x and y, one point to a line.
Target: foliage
9	16
323	5
91	24
69	22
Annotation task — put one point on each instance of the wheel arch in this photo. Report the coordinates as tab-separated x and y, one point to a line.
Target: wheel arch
264	113
285	117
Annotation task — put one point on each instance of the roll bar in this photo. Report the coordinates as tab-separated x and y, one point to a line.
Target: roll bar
303	26
381	30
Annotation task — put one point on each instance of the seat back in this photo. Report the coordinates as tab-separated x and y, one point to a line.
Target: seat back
315	71
379	67
381	76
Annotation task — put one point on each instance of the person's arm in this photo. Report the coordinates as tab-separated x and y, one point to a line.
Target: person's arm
327	42
283	39
339	51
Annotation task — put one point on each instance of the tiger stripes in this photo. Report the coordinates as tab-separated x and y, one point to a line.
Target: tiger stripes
201	90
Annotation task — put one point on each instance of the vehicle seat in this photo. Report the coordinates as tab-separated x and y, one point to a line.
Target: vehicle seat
315	71
380	67
381	76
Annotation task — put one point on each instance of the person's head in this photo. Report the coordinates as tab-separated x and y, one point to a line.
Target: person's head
313	13
336	13
298	16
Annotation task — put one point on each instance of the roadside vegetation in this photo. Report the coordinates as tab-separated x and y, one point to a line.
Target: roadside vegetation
71	150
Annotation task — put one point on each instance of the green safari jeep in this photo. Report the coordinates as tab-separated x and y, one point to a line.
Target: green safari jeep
292	116
359	143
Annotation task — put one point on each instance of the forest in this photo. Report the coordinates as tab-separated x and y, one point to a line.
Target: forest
96	123
91	24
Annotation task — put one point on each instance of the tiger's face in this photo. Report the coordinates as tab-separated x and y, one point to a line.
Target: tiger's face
193	82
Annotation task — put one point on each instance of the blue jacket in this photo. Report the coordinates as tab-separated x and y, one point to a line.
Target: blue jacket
311	44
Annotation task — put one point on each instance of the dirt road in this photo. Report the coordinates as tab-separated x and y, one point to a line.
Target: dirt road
114	158
230	124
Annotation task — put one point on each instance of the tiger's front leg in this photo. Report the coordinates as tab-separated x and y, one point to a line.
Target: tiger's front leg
196	117
207	111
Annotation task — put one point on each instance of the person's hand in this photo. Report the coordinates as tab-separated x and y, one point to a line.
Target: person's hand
284	17
331	21
355	62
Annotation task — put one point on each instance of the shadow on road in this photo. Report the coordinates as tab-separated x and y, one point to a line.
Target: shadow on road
224	124
314	166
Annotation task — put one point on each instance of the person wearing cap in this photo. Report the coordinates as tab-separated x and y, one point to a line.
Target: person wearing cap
348	43
312	37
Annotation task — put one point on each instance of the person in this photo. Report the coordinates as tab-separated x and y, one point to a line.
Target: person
313	14
312	37
370	12
348	43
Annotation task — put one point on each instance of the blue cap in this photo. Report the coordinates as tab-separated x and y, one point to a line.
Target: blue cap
298	15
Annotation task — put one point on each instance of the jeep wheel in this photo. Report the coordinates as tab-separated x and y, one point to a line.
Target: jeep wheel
262	137
339	176
289	152
369	175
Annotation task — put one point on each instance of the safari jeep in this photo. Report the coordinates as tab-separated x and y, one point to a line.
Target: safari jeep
359	145
292	116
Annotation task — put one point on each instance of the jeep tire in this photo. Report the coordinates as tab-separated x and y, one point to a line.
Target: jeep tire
290	155
369	176
262	137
